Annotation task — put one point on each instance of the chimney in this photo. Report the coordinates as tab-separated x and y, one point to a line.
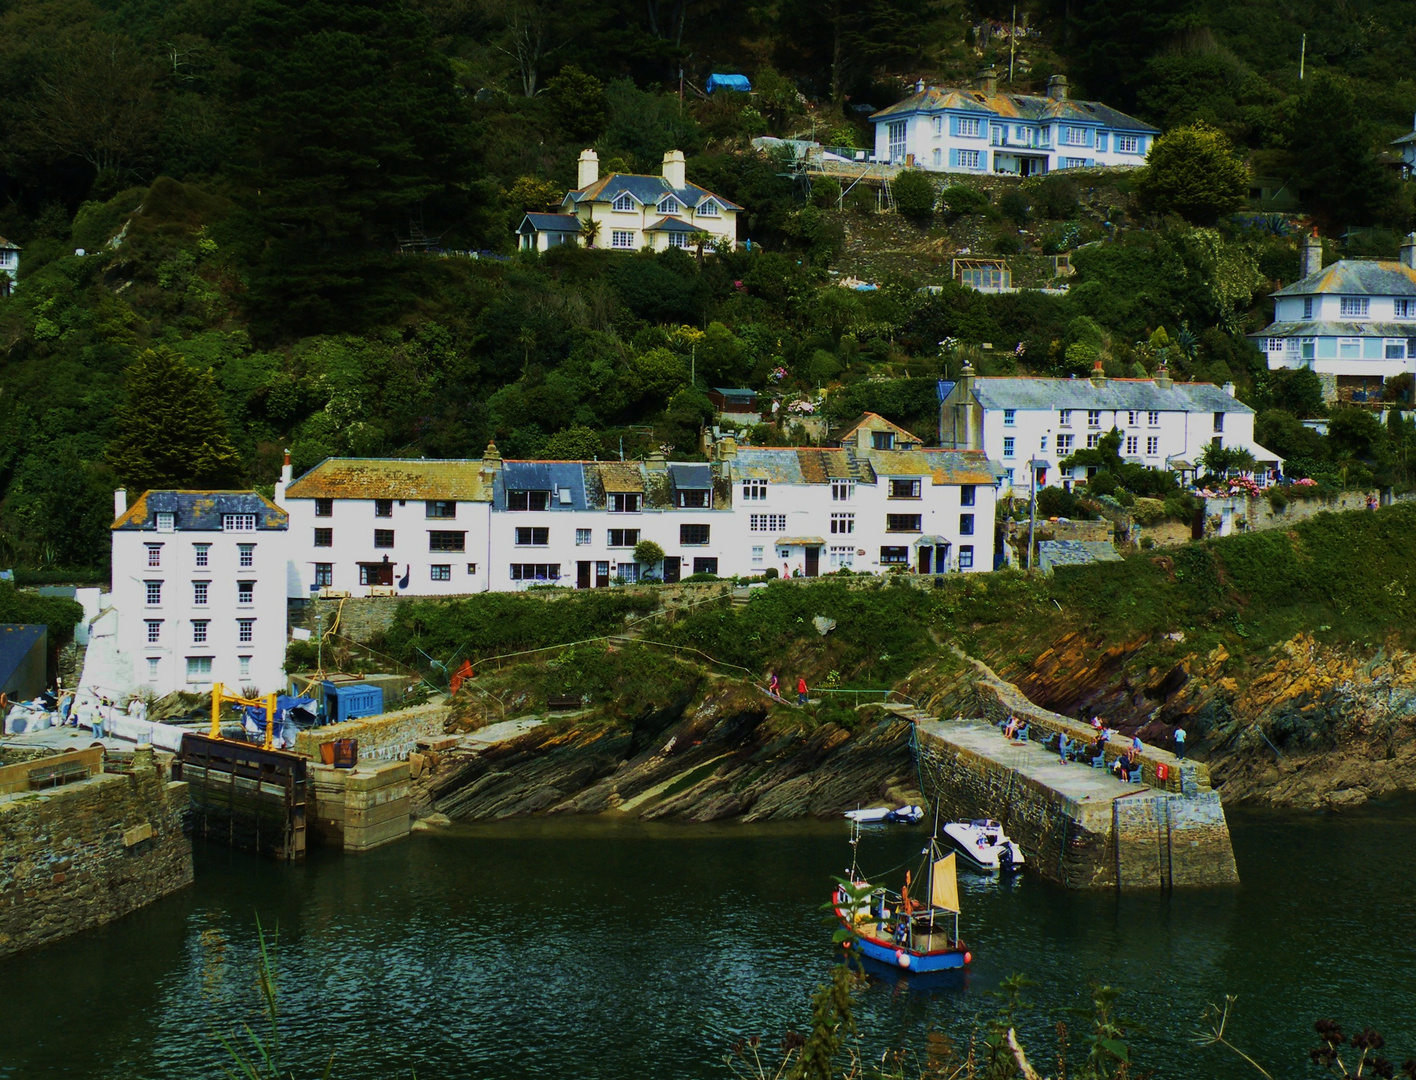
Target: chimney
1408	251
657	462
1098	375
727	448
1162	378
673	169
284	481
987	79
1057	88
120	503
919	86
589	169
1310	255
1229	388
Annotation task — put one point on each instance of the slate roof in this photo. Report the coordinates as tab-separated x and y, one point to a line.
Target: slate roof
646	189
200	511
691	476
1337	329
791	464
16	641
550	223
672	225
875	422
5	245
1356	277
393	478
618	476
1075	552
1030	393
552	476
1036	108
1409	137
941	466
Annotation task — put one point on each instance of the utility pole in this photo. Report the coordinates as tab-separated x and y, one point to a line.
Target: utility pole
1302	57
1032	510
1012	45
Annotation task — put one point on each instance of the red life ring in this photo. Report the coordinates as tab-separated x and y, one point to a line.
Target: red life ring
902	958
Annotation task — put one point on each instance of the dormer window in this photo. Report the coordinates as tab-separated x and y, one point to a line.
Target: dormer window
668	205
166	521
624	202
708	209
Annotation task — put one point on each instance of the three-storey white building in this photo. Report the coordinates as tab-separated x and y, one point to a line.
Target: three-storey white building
199	591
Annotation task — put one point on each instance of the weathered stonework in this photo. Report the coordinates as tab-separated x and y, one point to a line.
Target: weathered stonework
81	855
386	737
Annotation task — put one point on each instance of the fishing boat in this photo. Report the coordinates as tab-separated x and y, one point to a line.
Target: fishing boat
983	844
908	814
899	930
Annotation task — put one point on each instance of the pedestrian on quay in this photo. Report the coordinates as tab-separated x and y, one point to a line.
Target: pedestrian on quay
1179	742
1136	743
801	690
774	685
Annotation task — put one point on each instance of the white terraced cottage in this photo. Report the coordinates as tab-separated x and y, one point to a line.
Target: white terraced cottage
982	130
1027	422
199	592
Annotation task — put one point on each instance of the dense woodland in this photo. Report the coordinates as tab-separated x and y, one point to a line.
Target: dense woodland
245	178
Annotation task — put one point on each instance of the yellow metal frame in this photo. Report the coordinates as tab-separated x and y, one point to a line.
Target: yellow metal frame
219	696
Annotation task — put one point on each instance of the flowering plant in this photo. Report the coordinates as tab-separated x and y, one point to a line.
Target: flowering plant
801	405
777	374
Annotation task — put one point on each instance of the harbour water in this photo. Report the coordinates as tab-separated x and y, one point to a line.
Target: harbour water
580	948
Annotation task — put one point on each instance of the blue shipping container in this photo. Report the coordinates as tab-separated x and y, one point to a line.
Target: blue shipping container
349	702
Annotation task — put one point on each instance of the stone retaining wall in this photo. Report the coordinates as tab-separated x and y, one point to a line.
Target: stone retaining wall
386	737
81	855
363	808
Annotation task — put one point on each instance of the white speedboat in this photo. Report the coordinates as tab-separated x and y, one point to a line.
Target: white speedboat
983	843
908	814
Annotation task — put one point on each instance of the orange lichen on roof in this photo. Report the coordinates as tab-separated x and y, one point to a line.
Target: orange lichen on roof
386	478
620	477
875	422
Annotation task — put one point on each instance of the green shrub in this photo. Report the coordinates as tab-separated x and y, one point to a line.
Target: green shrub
1278	501
960	199
825	192
1148	511
702	577
1006	245
648	553
915	195
1014	206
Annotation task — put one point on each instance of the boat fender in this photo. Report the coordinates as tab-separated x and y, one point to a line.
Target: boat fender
968	958
902	958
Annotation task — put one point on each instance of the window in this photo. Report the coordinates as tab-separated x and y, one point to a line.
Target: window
1064	444
1092	440
1307	307
668	205
695	500
894	556
622	537
1405	309
966	557
842	490
200	591
842	524
1074	136
966	524
623	202
1275	344
708	208
199	631
1349	348
245	592
1219	421
324	575
754	490
623	502
970	159
967	494
1306	347
904	489
383	538
767	522
152	668
246	555
1064	417
441	572
383	508
245	631
622	239
535	571
1042	444
203	553
533	537
1010	417
528	500
841	555
1127	144
154	555
757	555
938	158
324	508
1132	444
693	534
1093	418
154	631
1152	446
679	240
1008	477
969	127
628	571
1131	419
323	538
1074	163
1352	307
1396	349
902	523
471	568
376	574
706	565
882	440
245	662
1153	419
582	537
938	125
447	541
895	132
238	522
440	508
1008	446
199	669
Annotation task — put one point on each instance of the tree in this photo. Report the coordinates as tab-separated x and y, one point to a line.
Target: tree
648	553
1194	172
914	194
578	103
532	35
172	432
1219	461
578	443
1333	146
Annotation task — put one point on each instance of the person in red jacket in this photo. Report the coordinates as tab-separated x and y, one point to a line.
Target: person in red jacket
801	691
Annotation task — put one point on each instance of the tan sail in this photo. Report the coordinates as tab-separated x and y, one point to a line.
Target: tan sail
944	884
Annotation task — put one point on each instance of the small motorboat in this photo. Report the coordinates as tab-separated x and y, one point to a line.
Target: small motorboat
910	815
983	843
902	932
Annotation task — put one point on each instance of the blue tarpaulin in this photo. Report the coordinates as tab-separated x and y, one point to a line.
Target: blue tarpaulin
729	82
283	704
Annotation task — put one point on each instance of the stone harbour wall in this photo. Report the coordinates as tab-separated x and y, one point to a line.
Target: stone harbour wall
386	737
81	855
